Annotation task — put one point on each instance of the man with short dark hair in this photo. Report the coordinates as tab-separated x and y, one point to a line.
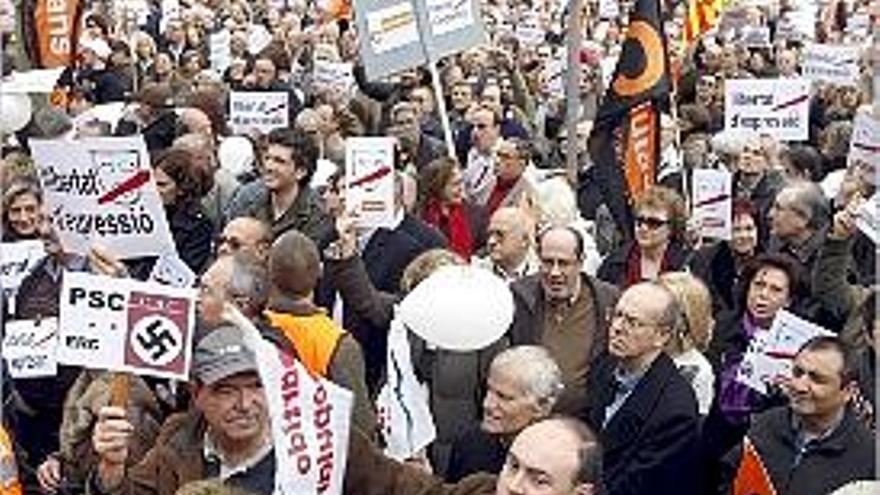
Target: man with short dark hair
644	408
816	444
283	198
563	309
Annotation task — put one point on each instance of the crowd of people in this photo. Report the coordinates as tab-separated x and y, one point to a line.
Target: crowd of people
621	370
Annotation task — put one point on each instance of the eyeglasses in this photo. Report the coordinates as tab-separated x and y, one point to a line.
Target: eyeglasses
651	222
626	321
233	243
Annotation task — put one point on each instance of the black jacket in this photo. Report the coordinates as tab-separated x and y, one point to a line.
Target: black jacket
613	267
651	444
846	455
474	452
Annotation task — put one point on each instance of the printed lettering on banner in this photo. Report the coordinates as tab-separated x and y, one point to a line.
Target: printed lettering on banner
835	64
171	270
529	31
712	202
30	347
309	417
260	111
447	16
868	220
864	144
778	107
609	9
126	325
102	190
17	260
369	179
771	353
221	51
392	27
337	75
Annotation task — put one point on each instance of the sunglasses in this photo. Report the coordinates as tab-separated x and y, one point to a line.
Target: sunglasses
233	243
651	222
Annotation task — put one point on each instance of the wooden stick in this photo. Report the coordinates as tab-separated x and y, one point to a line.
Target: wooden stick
120	386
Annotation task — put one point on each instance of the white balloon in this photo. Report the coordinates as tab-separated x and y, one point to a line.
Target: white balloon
15	111
460	308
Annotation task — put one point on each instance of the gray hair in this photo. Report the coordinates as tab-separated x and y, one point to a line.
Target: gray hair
536	371
248	280
672	317
811	201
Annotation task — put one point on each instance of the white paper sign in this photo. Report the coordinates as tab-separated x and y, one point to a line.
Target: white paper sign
369	179
713	200
755	37
30	347
609	9
392	27
126	325
404	414
835	64
262	111
171	270
258	38
864	144
221	51
771	354
868	221
446	16
339	75
310	419
779	107
529	30
17	259
102	190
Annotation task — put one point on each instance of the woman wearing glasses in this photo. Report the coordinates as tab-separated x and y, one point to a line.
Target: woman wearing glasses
658	247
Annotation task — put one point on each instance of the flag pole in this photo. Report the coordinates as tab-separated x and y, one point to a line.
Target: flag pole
572	88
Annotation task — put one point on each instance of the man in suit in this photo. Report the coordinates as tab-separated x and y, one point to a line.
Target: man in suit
644	409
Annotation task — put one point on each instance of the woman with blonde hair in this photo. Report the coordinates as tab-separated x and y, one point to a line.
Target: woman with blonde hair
686	348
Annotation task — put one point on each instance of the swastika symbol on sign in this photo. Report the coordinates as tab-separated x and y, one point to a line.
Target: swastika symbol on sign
156	340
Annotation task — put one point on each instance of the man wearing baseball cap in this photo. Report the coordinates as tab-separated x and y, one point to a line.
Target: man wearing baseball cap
226	434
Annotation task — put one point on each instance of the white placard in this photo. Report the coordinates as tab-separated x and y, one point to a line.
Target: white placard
260	111
402	403
126	325
171	270
864	144
221	51
32	81
369	179
778	107
258	38
17	259
529	31
771	352
712	202
868	221
392	27
755	36
609	9
446	16
310	418
835	64
102	190
339	75
30	347
554	77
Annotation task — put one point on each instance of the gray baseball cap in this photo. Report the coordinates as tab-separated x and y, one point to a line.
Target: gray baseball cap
222	353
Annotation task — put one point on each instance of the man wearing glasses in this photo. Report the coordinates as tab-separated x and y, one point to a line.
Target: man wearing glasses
562	309
643	408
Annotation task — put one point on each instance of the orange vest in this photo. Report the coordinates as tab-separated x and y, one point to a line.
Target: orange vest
314	337
9	482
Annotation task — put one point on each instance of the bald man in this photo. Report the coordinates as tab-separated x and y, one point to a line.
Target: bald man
246	235
644	410
321	345
558	456
509	245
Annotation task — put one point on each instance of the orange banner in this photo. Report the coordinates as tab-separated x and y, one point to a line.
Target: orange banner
55	21
640	149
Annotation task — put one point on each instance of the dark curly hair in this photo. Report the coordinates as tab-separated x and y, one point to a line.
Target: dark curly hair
192	182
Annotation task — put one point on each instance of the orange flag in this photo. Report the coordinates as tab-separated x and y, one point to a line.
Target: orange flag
751	477
701	16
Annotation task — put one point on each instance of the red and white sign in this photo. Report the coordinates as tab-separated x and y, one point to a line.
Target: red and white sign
369	179
713	202
126	325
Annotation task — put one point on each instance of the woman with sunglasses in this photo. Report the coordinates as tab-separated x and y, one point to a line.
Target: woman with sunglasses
658	247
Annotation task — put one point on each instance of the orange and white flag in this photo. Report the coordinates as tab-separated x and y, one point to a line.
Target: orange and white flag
701	16
751	477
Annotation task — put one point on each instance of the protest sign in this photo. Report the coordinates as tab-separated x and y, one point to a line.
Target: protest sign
17	260
447	16
30	347
369	179
402	404
337	75
126	325
712	202
769	355
220	55
529	30
868	221
864	144
102	189
309	417
171	270
392	27
260	111
755	36
835	64
258	38
609	9
779	107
